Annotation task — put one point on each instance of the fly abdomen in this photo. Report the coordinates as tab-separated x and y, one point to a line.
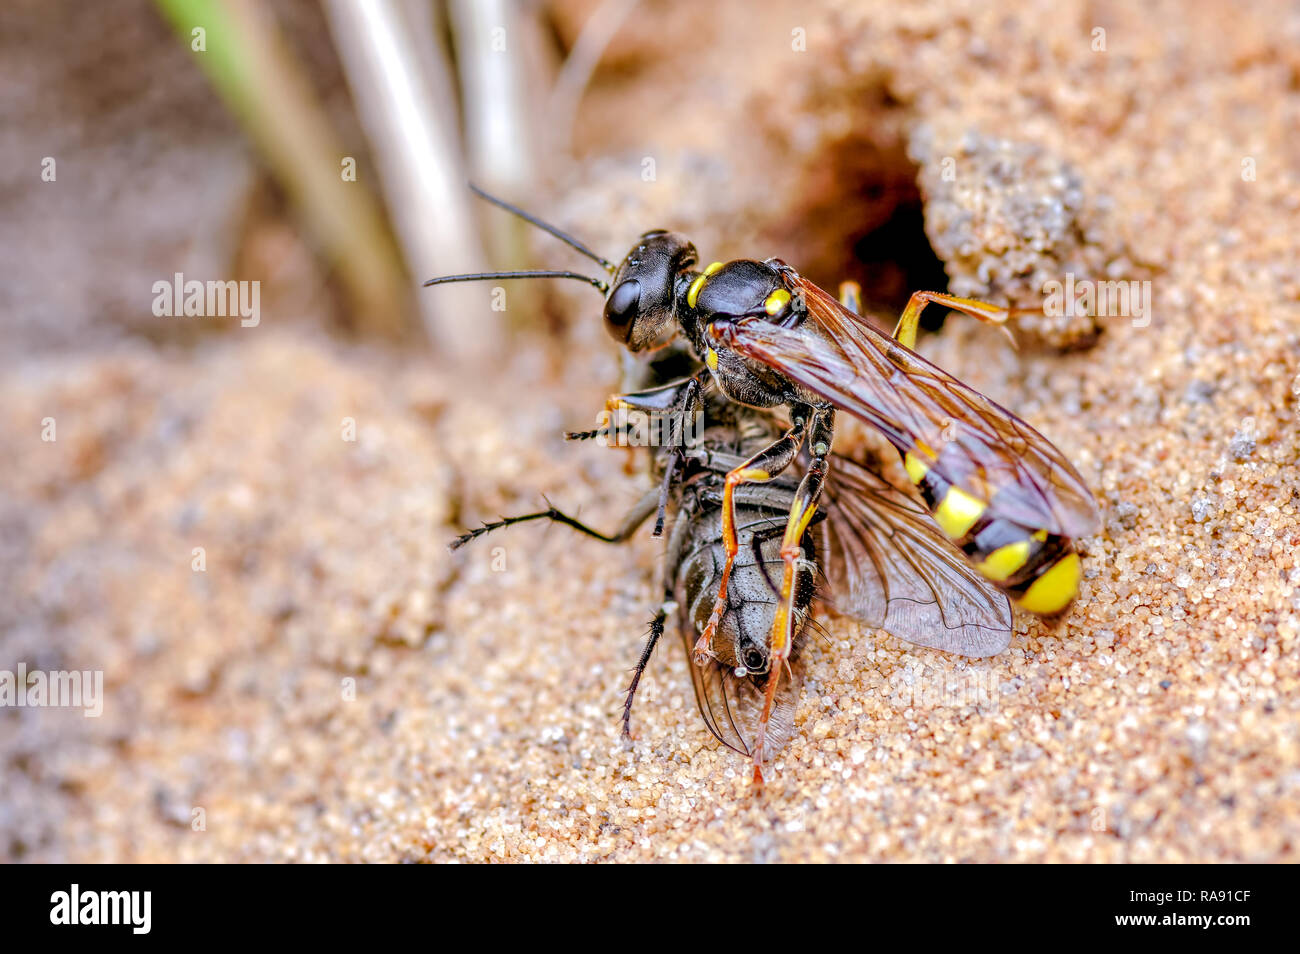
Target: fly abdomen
731	688
744	631
1040	571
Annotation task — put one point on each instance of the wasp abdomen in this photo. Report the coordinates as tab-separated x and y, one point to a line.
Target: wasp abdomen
1040	571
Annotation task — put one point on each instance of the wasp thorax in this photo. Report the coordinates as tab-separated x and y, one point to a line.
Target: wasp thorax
737	289
639	308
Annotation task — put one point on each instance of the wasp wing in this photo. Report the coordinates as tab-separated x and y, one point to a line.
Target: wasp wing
891	567
733	705
966	438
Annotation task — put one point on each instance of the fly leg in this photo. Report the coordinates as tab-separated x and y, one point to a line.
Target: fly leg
656	632
637	516
802	512
762	467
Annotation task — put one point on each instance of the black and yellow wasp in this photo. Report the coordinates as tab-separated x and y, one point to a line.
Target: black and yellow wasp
1008	503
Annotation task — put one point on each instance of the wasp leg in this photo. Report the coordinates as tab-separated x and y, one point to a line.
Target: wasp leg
688	406
662	398
637	516
851	296
905	333
656	632
802	512
670	399
756	542
762	467
666	409
652	401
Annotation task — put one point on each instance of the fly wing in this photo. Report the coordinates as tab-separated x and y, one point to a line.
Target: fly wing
972	442
732	705
891	567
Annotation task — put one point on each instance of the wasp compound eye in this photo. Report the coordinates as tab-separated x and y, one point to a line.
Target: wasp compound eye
621	309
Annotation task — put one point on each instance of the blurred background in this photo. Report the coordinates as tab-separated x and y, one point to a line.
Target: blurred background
323	149
241	520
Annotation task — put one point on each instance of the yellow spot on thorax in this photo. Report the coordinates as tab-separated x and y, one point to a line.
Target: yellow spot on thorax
775	302
693	293
711	359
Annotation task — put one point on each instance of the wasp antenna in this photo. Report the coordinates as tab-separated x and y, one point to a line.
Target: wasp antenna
567	239
601	286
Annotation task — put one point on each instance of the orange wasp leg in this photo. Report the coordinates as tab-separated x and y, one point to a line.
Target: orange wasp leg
851	296
905	333
802	512
762	467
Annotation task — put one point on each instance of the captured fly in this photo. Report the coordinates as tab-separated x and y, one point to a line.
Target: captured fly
1005	501
882	559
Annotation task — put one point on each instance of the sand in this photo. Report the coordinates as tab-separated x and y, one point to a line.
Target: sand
335	686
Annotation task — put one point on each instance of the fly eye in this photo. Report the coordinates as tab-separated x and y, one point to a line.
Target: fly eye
622	308
754	660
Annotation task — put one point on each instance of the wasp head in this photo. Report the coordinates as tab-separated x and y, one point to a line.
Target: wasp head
640	307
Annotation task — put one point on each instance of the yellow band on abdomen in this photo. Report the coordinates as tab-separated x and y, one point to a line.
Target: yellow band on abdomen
916	468
957	512
1053	591
999	565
